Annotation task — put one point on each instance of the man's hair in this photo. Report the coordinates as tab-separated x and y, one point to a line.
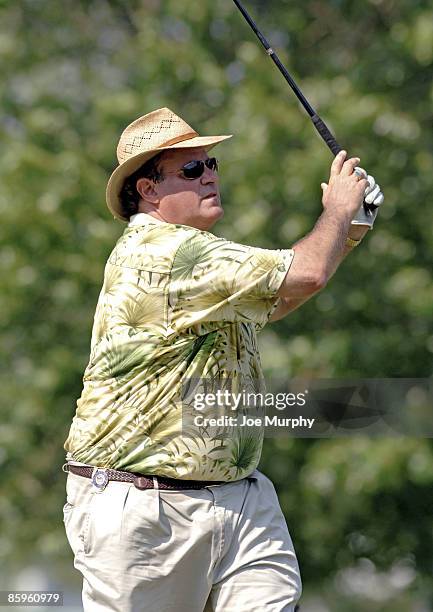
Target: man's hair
129	196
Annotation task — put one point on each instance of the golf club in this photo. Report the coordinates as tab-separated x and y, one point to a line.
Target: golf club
319	124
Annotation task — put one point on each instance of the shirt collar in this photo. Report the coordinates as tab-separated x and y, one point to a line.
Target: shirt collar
142	219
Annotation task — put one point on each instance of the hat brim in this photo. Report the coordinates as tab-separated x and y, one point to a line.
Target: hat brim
128	167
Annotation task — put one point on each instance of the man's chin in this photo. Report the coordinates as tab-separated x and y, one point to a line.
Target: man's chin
218	212
214	214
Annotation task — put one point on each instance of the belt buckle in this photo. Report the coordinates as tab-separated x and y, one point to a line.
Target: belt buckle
99	479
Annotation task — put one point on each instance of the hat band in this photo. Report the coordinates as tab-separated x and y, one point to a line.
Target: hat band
177	139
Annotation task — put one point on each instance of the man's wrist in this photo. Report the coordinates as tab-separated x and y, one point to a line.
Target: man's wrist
335	218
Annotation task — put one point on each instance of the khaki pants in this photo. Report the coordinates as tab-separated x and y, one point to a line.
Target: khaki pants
225	548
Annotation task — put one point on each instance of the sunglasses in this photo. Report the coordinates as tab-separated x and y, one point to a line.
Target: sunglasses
195	168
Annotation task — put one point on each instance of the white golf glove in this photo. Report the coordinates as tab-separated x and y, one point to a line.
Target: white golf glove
373	195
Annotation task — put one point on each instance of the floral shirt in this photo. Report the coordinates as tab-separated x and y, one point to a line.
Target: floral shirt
177	305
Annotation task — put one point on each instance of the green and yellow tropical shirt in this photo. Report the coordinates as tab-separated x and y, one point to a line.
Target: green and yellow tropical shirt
177	305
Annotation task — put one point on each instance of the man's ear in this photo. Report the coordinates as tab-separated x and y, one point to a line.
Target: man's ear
146	189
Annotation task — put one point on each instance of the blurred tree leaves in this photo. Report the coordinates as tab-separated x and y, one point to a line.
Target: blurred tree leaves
73	75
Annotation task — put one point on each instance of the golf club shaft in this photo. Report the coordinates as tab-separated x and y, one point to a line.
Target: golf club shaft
320	125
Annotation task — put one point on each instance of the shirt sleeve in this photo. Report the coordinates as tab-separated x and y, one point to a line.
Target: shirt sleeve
215	280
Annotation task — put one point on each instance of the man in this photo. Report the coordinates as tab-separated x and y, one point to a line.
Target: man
164	514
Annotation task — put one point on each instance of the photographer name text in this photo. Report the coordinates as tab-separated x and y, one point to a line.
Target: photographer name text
247	421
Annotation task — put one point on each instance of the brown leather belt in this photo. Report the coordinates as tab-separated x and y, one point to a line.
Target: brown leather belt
101	476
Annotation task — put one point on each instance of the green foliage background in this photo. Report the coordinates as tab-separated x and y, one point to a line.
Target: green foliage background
74	73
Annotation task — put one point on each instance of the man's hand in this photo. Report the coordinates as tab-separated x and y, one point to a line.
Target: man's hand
345	191
372	195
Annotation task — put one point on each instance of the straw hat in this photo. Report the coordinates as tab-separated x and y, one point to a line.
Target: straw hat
146	137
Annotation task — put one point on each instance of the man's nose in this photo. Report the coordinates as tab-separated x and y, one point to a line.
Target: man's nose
209	176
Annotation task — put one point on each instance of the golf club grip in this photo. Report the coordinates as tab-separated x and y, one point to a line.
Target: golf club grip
325	133
327	136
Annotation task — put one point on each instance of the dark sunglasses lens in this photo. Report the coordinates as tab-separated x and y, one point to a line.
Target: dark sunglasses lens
212	164
193	169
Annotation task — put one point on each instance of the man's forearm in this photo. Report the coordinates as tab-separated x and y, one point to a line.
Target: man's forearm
317	255
356	232
329	243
